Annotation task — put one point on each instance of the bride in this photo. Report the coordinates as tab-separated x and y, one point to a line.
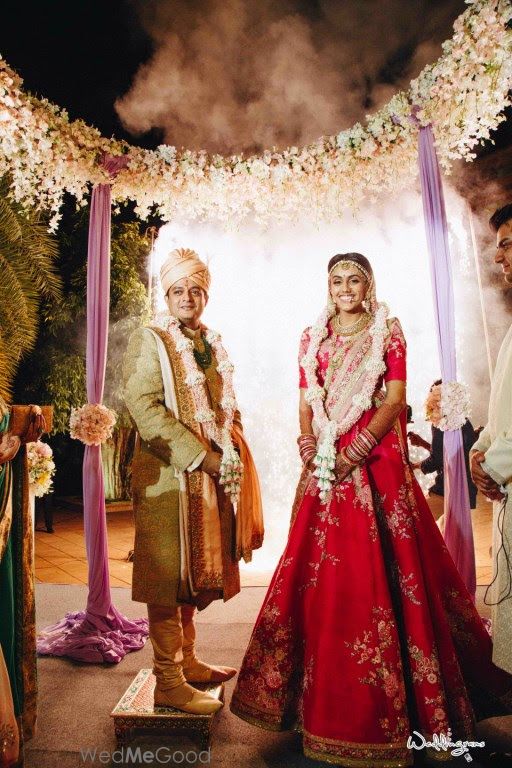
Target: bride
367	632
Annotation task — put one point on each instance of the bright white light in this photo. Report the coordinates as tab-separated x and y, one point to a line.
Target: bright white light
267	286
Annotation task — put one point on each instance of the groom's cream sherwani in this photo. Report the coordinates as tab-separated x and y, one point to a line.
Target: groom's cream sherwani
496	442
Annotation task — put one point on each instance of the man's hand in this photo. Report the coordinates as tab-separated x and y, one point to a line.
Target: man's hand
211	463
9	447
418	441
36	426
481	479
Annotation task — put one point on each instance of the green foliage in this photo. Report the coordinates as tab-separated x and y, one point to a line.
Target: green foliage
65	385
60	379
128	279
27	275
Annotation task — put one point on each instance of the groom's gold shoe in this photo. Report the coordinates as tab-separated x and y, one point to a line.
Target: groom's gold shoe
196	671
187	699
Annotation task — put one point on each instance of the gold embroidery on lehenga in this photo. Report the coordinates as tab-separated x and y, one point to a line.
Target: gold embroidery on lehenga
354	755
279	581
340	492
459	611
423	667
307	682
408	586
363	498
380	672
326	518
439	718
427	668
307	679
276	671
400	521
313	578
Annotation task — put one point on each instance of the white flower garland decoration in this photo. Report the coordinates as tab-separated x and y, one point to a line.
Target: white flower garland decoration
463	95
231	467
329	430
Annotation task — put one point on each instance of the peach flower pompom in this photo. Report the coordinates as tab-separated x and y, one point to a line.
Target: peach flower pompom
92	423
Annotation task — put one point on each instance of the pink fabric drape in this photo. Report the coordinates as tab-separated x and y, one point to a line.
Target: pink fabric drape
100	633
458	528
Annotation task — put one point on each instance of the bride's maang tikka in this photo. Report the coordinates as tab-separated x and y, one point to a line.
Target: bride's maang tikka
347	264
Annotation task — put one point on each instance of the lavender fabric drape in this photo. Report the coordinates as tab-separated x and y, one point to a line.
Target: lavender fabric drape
458	529
100	633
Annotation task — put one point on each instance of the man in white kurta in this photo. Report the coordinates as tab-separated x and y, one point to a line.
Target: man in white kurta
491	464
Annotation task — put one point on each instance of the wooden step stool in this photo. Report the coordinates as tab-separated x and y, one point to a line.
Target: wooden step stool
136	711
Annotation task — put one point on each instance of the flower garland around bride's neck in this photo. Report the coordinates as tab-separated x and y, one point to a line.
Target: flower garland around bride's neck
231	468
329	430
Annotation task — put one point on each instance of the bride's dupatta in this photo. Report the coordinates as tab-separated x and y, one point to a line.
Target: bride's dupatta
349	377
347	382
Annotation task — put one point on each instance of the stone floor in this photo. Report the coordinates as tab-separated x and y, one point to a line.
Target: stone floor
61	559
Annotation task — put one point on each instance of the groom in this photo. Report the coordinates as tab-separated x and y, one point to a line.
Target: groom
491	462
187	542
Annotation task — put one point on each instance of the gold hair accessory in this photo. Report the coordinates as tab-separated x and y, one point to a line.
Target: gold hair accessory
347	265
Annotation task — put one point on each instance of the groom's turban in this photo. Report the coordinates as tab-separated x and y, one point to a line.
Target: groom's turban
183	262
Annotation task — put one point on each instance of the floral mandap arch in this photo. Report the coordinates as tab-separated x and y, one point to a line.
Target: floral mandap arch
450	108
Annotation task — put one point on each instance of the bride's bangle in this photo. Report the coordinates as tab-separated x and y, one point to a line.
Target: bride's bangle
357	451
307	447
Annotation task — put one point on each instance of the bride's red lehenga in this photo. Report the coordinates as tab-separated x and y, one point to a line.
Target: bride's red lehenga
367	632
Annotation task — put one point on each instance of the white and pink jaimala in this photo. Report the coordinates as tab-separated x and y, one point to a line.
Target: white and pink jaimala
328	430
231	469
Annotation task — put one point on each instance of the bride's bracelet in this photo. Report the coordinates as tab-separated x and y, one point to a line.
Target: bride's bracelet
357	451
307	447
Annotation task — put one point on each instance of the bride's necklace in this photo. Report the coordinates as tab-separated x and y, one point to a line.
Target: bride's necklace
353	328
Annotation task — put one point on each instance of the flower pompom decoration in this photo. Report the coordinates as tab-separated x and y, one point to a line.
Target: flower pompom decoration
92	423
433	406
448	405
455	405
41	467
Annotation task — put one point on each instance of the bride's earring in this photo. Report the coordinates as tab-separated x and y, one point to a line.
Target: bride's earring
331	306
367	300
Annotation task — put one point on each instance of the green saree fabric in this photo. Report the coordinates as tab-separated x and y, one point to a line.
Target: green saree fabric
17	604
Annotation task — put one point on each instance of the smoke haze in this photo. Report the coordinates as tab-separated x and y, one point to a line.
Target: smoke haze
235	75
